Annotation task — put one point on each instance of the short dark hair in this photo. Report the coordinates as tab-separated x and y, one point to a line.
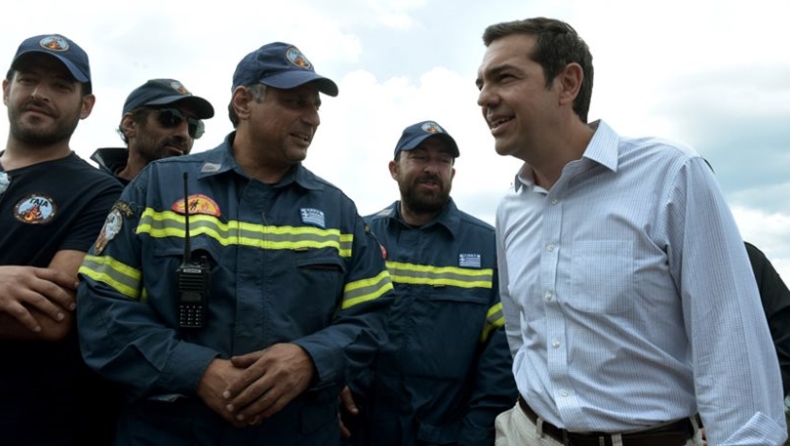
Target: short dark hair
557	45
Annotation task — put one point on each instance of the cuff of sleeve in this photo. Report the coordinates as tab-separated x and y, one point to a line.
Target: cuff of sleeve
185	368
326	362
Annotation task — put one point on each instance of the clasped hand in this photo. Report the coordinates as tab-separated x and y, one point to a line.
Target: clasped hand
246	389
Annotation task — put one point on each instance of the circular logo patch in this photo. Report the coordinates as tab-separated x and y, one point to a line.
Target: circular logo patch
297	58
54	43
35	209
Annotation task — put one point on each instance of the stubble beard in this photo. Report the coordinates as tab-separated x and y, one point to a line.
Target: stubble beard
32	136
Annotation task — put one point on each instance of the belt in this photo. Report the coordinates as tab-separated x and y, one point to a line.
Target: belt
671	434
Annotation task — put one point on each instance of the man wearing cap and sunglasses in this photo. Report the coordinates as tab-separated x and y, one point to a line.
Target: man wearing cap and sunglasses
291	284
52	205
161	118
445	372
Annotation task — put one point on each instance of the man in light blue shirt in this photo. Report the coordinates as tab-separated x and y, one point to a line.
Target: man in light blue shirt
629	301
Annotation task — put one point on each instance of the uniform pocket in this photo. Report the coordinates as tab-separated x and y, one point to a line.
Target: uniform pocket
602	276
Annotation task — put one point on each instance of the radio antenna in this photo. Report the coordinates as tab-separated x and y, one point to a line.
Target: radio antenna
187	247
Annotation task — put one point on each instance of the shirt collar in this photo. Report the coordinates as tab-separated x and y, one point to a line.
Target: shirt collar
221	160
449	217
603	149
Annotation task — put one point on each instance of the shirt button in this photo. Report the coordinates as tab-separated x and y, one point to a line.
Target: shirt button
548	296
563	393
555	344
550	247
553	200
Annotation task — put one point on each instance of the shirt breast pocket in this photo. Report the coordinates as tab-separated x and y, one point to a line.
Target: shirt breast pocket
602	276
321	272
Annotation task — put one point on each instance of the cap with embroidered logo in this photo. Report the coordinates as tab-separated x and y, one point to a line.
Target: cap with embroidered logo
165	92
60	47
415	134
280	65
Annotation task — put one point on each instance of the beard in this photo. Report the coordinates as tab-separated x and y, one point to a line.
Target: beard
151	149
35	136
424	202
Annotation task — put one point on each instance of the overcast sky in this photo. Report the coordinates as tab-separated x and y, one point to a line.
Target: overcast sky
713	74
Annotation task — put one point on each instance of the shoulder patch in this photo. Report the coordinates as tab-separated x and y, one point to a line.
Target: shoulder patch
198	204
5	180
36	209
112	226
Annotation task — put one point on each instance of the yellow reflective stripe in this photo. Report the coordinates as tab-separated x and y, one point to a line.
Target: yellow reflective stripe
171	224
364	290
121	277
440	276
495	318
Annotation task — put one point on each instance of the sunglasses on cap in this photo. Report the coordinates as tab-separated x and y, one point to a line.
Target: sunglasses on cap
173	117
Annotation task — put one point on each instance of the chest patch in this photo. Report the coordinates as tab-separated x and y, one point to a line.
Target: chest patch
313	217
36	209
198	204
469	260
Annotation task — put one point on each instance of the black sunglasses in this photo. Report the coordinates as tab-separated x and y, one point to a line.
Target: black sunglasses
173	117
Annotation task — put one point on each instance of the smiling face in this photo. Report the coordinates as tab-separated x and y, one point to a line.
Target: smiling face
45	103
425	177
150	140
283	124
515	102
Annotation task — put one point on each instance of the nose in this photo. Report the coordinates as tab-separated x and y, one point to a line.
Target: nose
486	96
311	117
182	130
39	93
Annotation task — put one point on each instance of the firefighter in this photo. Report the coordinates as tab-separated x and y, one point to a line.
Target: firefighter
445	372
246	335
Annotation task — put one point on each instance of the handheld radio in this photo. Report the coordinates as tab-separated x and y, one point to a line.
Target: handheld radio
192	278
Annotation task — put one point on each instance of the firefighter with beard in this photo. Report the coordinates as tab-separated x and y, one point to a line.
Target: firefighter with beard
445	373
52	205
161	118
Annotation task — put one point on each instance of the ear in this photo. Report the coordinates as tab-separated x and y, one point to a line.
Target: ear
128	126
393	165
452	174
240	101
570	82
5	91
87	105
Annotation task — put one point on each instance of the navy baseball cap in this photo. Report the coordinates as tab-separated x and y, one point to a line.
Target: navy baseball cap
415	134
280	65
63	48
166	92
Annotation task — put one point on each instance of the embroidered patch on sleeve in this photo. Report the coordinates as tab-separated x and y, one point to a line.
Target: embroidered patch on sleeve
112	226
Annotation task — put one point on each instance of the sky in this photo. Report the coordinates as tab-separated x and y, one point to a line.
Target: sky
711	74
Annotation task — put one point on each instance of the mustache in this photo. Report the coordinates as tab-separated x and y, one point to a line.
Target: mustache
176	141
429	177
39	106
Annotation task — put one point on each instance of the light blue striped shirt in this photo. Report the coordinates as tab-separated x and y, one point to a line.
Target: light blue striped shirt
629	299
